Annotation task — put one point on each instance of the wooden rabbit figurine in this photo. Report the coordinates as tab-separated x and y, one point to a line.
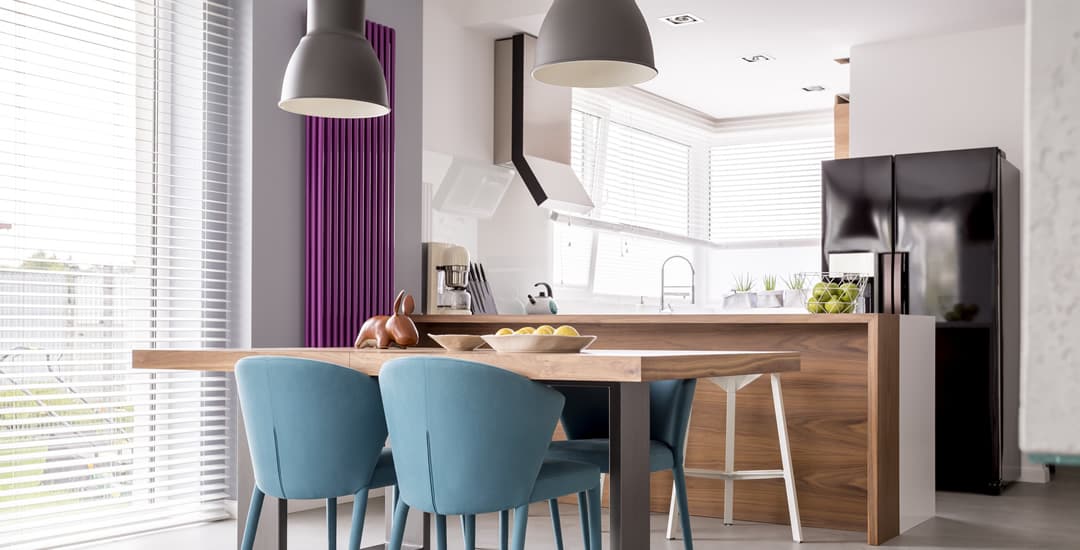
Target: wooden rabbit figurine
381	331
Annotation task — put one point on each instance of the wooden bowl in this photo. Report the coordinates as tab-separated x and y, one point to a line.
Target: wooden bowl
458	342
538	343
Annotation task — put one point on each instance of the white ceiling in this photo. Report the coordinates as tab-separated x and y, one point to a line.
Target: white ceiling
700	65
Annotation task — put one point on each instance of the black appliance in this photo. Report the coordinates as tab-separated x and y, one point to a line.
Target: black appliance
944	232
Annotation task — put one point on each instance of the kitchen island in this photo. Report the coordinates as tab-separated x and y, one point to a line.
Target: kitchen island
860	411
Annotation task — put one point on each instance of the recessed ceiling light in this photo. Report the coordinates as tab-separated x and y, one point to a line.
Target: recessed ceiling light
814	88
758	58
682	19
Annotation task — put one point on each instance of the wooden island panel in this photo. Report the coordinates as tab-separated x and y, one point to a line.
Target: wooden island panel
846	473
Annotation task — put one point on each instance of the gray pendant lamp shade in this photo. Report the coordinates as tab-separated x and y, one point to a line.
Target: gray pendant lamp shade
334	72
594	44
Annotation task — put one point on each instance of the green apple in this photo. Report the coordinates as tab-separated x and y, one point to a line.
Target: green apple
820	290
814	306
835	305
834	289
849	292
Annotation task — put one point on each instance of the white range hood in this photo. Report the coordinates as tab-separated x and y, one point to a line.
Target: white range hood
532	128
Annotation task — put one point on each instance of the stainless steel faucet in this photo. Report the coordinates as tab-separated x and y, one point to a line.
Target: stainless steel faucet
664	306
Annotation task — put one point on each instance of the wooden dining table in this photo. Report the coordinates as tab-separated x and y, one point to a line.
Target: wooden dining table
625	373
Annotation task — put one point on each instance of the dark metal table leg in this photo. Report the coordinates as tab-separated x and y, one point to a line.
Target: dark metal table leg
629	432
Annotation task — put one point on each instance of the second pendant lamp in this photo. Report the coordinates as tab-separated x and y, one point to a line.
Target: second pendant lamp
594	44
334	71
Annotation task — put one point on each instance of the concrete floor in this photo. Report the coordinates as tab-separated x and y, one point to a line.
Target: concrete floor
1027	516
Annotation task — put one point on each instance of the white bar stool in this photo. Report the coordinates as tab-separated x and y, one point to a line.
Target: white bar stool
732	384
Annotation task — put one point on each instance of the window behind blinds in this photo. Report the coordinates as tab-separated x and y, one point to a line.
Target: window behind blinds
767	191
584	145
113	236
645	180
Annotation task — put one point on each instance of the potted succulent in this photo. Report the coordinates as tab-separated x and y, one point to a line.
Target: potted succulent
770	297
743	296
797	290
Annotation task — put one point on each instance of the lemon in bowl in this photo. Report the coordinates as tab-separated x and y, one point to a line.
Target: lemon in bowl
566	330
545	329
525	330
504	331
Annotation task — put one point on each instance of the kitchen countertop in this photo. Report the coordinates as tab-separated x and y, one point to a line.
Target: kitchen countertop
666	318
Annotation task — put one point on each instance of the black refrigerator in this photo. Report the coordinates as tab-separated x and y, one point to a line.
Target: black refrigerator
940	233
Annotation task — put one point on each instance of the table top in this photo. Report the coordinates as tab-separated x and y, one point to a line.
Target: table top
588	366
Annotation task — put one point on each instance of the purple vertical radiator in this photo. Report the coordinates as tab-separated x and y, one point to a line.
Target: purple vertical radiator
350	216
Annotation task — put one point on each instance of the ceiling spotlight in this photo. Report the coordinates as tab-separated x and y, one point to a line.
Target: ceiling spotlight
814	88
758	58
682	19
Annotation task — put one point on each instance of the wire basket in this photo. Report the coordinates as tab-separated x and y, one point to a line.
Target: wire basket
836	292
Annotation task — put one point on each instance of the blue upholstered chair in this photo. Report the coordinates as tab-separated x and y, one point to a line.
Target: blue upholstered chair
585	421
470	439
315	430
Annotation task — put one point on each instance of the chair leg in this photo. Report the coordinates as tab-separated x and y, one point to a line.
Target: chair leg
785	459
684	507
729	451
672	515
254	511
397	530
359	512
603	476
331	523
440	532
583	513
521	521
595	523
556	522
468	530
504	530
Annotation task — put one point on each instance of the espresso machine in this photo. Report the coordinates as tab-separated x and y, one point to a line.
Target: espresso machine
446	277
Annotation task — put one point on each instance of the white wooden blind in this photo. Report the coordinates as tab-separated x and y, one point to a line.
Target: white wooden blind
646	180
767	191
114	235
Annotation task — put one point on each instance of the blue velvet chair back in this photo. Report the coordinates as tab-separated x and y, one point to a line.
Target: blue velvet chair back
315	429
468	438
585	415
669	412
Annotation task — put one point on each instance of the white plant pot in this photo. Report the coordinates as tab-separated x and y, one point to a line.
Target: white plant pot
770	298
740	300
796	298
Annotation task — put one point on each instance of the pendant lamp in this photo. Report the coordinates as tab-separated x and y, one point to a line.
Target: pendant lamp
333	72
594	44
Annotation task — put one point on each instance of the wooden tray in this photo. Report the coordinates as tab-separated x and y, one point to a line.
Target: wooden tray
538	343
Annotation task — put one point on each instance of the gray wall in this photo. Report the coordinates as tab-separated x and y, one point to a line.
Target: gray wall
406	16
277	181
269	310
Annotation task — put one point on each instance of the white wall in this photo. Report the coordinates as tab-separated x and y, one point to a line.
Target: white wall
1049	409
953	91
459	65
